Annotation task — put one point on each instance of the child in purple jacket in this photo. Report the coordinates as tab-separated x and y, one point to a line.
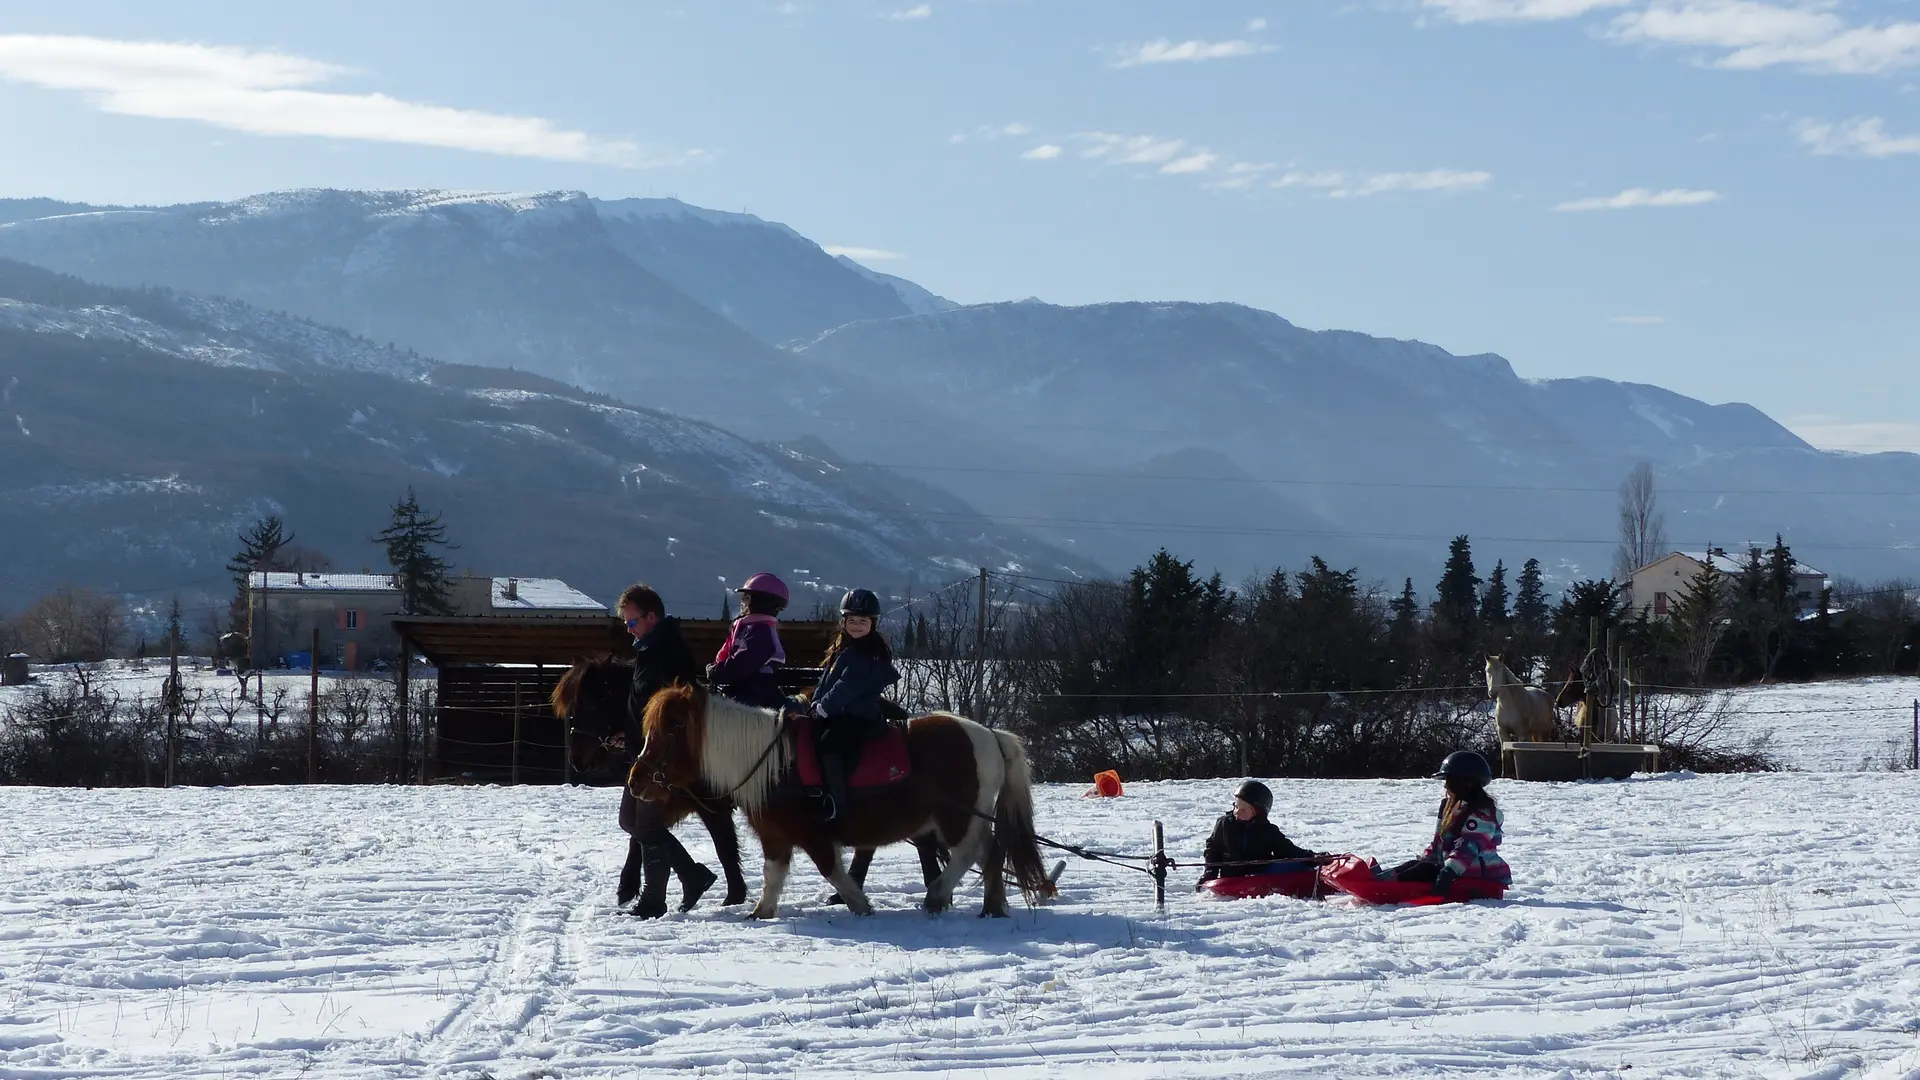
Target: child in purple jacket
747	668
1466	835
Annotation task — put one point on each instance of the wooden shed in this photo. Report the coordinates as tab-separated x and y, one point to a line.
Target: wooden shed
491	721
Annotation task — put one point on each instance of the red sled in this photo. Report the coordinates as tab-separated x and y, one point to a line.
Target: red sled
1298	879
883	760
1360	878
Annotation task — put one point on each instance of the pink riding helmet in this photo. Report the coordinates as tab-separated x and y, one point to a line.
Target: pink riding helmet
766	583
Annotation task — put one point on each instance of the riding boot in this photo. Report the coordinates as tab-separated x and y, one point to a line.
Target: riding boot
833	770
656	865
695	878
629	886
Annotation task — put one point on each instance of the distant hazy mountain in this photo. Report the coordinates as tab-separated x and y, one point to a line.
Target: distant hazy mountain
532	282
1363	442
918	300
1226	433
771	281
143	429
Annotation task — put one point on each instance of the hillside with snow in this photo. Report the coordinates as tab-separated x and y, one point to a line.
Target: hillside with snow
146	429
1226	433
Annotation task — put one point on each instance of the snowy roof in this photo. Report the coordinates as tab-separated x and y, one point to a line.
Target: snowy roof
325	582
1730	562
542	594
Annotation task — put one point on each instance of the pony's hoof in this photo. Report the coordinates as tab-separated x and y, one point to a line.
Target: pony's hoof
735	896
762	911
935	907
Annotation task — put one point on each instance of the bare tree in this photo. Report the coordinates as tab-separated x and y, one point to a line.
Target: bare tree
72	624
1643	527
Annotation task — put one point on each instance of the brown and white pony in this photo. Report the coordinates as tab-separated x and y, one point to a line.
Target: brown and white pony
967	787
1573	694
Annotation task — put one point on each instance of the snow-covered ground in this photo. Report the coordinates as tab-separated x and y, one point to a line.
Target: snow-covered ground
1760	925
1851	724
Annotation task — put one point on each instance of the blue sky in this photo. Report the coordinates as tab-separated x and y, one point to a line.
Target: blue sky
1718	196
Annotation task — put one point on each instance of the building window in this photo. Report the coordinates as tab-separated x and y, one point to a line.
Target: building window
1659	603
353	618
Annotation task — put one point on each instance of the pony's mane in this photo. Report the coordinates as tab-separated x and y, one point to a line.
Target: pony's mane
730	740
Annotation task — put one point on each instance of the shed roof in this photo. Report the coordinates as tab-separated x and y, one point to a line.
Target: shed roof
561	640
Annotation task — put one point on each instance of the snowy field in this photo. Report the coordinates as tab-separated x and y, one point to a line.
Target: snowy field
1725	926
1852	724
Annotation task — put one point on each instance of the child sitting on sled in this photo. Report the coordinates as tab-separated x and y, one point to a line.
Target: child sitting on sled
1244	842
1466	835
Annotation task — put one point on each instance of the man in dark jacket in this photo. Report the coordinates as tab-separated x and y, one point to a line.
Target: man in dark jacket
661	658
1244	841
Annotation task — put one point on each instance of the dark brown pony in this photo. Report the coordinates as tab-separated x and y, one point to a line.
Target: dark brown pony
594	694
1573	695
968	788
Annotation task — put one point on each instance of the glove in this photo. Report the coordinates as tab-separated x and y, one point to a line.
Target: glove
1443	879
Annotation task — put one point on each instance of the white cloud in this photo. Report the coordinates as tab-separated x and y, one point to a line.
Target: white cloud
1168	52
1255	26
1241	176
1443	180
1478	11
266	93
863	254
922	11
1638	198
1043	152
1340	185
1863	135
1016	130
1129	149
1639	320
1198	162
1756	35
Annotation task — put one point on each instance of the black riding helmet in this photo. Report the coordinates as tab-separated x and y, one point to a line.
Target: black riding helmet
860	602
1466	765
1256	795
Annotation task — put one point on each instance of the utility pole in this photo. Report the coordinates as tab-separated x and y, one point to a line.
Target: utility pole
313	709
980	651
516	733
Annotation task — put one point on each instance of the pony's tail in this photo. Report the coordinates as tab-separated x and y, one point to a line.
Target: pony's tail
1013	822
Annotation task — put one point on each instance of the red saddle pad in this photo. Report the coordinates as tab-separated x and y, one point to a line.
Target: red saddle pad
883	760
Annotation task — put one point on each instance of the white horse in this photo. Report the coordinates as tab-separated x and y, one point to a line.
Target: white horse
1522	713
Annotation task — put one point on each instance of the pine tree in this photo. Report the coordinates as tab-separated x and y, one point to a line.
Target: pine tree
1530	604
1459	589
1403	633
260	547
175	635
726	607
410	542
1493	602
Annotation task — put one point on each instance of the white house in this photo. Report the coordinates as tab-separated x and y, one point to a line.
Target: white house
354	613
1657	586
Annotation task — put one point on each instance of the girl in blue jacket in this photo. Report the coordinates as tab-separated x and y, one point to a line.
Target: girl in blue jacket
858	670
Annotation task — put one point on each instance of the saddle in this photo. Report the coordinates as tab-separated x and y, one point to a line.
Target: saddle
883	758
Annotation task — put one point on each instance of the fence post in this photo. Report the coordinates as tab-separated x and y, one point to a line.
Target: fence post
173	704
1916	734
406	719
1159	866
516	733
313	709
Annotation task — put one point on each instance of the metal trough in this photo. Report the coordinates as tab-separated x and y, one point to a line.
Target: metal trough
1561	761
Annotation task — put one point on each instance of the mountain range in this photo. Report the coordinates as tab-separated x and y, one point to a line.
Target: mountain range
1094	433
144	429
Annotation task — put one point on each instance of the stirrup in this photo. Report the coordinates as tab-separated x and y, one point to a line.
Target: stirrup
829	809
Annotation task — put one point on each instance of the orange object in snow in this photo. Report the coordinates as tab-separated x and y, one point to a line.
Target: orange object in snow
1105	785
